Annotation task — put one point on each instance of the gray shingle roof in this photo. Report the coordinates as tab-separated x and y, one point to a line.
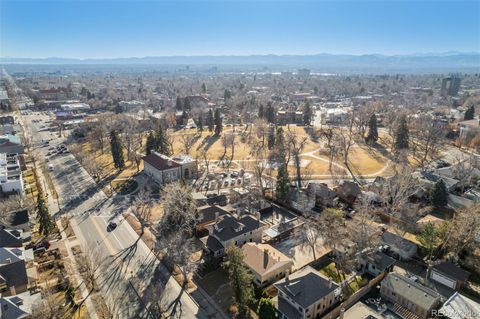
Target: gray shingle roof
230	227
306	286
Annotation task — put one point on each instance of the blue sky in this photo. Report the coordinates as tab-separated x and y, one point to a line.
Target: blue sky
110	28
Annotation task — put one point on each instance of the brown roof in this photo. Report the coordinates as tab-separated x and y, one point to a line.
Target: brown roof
263	258
160	162
474	123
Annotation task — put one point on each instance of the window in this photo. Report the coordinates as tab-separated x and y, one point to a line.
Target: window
393	294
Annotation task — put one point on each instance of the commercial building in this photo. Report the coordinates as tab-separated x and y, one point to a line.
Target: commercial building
10	174
450	86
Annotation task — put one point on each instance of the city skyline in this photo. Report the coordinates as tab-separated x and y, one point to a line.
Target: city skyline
111	29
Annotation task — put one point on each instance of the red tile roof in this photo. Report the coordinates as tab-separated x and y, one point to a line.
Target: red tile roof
159	162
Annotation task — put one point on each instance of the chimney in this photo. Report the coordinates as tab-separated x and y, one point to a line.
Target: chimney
169	163
342	313
217	215
329	283
287	279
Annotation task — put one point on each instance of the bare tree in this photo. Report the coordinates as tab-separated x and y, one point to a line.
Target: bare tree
187	141
464	230
176	228
427	140
11	205
89	263
142	207
310	235
295	146
464	170
346	141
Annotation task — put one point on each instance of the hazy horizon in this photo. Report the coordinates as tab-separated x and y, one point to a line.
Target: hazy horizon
119	29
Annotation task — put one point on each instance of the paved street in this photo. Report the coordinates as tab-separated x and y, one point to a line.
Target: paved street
130	275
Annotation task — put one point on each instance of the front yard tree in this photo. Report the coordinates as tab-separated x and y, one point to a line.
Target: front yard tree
116	148
266	309
240	280
440	194
372	135
469	113
200	123
402	135
218	123
46	225
283	182
179	104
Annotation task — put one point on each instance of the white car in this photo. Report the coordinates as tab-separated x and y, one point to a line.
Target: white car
51	167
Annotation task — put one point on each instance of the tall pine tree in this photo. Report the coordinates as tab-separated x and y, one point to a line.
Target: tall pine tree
240	280
161	143
402	135
260	112
117	151
283	182
179	103
372	135
46	225
200	122
210	121
469	113
439	194
307	114
218	123
151	144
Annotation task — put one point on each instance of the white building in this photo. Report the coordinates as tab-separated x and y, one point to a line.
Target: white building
130	105
10	174
78	107
164	169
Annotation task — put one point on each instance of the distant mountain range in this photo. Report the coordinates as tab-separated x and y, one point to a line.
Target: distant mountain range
371	63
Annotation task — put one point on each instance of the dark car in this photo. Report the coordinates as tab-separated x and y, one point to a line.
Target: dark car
111	226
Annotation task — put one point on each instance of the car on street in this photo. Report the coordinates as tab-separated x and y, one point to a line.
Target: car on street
111	226
51	168
225	183
234	174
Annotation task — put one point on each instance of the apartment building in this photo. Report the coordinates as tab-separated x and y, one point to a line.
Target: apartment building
10	174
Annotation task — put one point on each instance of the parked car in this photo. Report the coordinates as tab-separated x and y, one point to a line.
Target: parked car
234	174
111	226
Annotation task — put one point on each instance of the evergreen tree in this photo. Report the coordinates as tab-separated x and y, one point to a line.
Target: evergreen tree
439	194
307	114
151	144
186	104
372	135
116	148
184	118
270	114
271	139
429	238
70	296
46	225
283	182
469	113
200	122
280	146
227	95
161	143
266	309
260	112
204	88
240	280
118	108
179	104
402	135
210	121
218	123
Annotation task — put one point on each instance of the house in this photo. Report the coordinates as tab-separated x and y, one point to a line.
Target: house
428	180
11	238
196	101
348	192
399	247
306	294
468	129
266	263
459	307
20	220
60	93
324	196
377	262
408	296
448	274
10	308
11	180
10	144
164	169
231	231
13	272
207	215
130	105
